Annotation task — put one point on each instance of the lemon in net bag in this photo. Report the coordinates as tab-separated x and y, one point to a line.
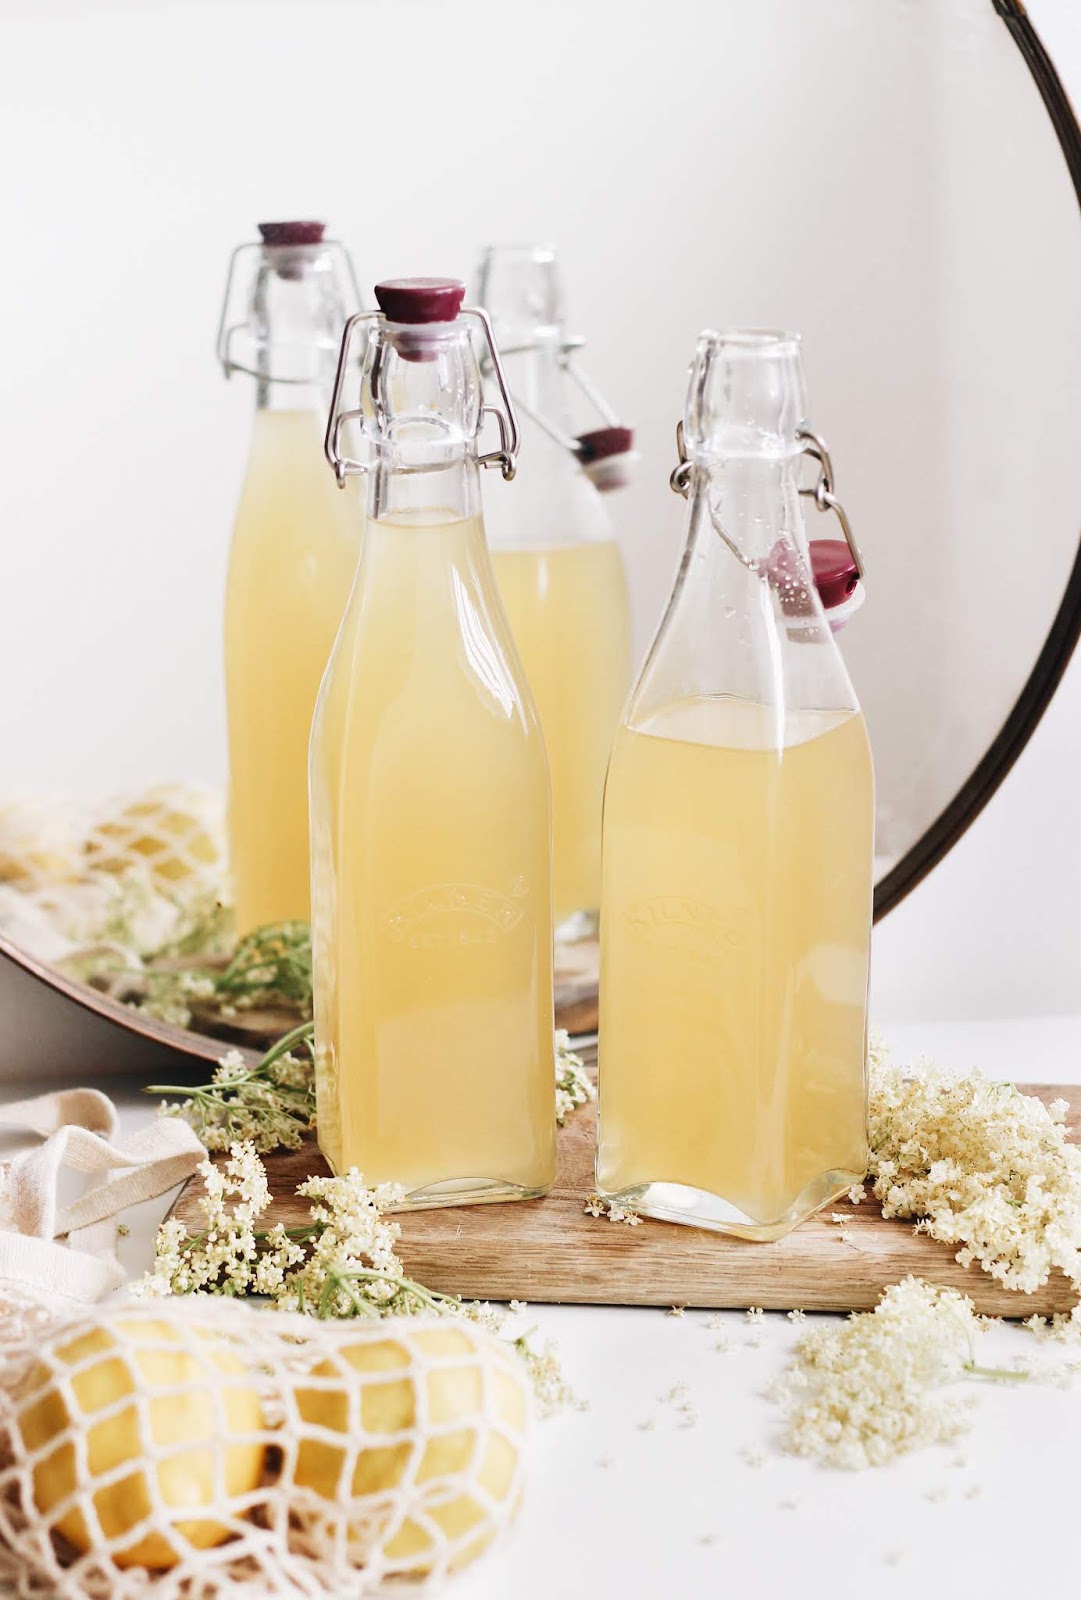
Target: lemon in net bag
39	845
198	1445
175	832
441	1413
131	1418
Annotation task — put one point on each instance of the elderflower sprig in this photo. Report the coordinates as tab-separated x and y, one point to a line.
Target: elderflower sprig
201	972
981	1166
574	1086
270	1104
270	967
341	1264
869	1390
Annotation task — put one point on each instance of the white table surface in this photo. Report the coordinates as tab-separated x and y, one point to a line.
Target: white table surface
615	1510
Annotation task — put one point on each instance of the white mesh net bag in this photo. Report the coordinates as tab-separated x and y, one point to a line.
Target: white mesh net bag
175	832
123	872
205	1448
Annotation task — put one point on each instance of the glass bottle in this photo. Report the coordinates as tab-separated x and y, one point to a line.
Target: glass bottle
738	841
293	555
559	568
431	820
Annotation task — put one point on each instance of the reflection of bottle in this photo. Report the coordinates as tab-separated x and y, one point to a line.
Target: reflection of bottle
292	561
738	825
560	572
431	858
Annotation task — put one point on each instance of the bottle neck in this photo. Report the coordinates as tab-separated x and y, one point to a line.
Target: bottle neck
748	504
450	493
744	619
289	324
420	404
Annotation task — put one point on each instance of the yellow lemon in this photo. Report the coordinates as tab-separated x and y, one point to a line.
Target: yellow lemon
176	831
452	1464
172	1392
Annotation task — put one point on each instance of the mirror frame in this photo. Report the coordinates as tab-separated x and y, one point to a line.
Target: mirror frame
47	1016
1021	722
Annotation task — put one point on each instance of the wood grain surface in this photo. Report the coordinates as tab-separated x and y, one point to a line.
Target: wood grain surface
550	1250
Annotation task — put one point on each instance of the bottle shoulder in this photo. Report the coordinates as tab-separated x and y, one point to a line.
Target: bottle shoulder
425	634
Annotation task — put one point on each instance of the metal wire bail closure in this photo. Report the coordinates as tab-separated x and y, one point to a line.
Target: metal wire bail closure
575	445
506	457
344	466
225	330
680	478
822	492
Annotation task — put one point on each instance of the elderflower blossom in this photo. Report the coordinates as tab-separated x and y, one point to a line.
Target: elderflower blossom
342	1264
574	1086
597	1206
173	1003
982	1167
550	1386
223	1256
861	1393
351	1265
269	1103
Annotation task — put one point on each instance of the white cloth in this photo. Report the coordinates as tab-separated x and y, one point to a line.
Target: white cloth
80	1133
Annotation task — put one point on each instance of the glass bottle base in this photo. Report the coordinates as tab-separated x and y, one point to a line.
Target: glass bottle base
697	1208
467	1192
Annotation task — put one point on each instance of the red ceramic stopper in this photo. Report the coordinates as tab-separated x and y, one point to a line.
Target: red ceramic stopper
292	232
600	443
834	571
417	300
832	567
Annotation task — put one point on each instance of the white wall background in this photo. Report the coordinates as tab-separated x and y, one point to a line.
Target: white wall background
144	137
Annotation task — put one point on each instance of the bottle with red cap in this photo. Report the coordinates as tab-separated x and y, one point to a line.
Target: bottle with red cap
293	553
558	563
431	819
738	838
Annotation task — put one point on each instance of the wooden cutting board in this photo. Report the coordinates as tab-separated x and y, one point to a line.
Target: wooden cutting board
550	1250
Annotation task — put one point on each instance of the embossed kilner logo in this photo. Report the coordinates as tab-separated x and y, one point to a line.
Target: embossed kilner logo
448	914
684	923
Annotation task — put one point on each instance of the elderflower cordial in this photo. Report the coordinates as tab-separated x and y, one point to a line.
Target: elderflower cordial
271	1103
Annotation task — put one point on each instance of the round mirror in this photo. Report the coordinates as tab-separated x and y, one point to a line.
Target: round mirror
896	182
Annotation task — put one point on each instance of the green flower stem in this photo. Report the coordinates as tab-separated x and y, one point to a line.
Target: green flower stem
212	1092
996	1374
309	1230
303	1034
345	1281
